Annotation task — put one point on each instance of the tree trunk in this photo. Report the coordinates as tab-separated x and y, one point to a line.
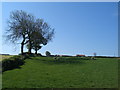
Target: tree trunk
30	44
36	51
30	47
21	48
22	44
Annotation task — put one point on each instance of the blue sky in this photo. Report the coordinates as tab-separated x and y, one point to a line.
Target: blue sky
1	27
80	28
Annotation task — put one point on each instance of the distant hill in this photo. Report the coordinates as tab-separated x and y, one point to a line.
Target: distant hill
4	54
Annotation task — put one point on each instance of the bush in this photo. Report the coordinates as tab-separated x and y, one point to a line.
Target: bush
27	54
13	62
48	54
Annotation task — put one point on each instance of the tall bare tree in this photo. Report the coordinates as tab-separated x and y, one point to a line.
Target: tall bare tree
33	32
18	27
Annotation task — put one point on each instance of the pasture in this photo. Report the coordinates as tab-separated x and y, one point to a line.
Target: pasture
2	57
66	72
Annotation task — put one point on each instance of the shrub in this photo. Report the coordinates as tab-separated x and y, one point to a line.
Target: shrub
48	54
39	54
13	62
27	54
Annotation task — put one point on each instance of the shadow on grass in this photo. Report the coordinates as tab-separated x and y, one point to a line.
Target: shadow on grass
62	60
12	68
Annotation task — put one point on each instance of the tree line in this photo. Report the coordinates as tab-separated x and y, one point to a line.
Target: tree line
31	32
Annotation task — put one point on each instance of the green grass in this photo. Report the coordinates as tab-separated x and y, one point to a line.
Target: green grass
45	72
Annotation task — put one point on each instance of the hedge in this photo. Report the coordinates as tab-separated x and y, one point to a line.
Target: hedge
12	62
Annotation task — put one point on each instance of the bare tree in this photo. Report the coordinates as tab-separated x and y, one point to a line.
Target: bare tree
33	32
18	27
41	35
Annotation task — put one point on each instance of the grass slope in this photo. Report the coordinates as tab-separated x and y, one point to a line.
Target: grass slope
44	72
2	57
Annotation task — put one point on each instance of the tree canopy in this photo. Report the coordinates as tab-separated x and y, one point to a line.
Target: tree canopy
33	32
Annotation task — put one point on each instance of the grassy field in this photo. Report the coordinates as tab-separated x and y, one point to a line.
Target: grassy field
2	57
45	72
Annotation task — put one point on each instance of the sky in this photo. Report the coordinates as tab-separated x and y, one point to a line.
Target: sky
0	27
80	27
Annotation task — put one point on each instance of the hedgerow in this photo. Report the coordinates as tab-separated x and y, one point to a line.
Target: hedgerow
12	62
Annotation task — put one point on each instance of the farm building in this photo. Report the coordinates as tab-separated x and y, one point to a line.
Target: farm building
80	55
